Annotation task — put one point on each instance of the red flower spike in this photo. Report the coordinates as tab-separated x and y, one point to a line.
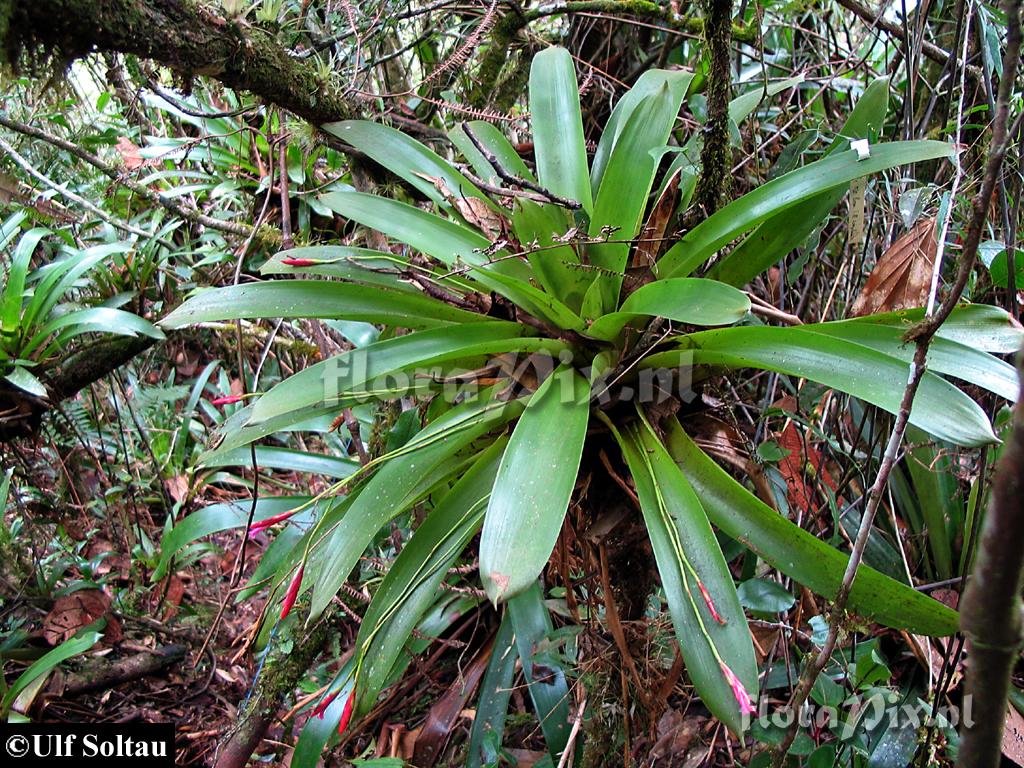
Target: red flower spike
299	262
346	714
261	525
226	400
325	703
742	697
293	592
710	603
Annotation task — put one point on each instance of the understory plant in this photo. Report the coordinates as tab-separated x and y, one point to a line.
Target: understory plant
39	315
557	332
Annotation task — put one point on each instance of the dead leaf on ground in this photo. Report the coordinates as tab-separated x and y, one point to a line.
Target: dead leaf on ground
177	486
445	712
79	609
172	600
903	275
676	735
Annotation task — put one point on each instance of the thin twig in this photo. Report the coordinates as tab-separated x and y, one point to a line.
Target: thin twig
65	192
510	178
114	173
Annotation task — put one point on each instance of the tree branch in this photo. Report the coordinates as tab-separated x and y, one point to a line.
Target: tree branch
190	38
991	607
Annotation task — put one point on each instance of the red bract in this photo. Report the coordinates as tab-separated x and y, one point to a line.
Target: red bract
298	262
325	703
226	400
346	713
738	690
710	603
260	525
293	592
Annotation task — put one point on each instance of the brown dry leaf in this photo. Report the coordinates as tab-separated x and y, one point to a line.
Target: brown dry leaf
676	734
173	598
801	454
1013	736
177	486
903	275
474	210
72	612
445	712
653	233
724	442
129	154
526	758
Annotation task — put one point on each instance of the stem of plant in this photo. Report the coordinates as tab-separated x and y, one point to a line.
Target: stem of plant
921	335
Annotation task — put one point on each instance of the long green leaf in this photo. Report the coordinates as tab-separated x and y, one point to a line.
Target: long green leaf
47	663
356	370
627	181
315	298
741	107
742	215
982	326
939	408
648	83
558	127
14	288
399	483
317	732
688	557
355	265
495	692
556	265
944	356
406	158
411	584
692	300
223	517
797	553
92	320
455	246
494	141
287	459
534	484
235	431
549	691
779	235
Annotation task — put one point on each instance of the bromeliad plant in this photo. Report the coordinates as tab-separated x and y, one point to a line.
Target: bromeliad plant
38	317
567	265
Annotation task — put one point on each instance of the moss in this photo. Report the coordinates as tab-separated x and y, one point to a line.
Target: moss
496	56
716	154
185	36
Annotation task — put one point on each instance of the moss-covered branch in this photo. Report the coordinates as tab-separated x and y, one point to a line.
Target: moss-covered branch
188	37
716	154
498	52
